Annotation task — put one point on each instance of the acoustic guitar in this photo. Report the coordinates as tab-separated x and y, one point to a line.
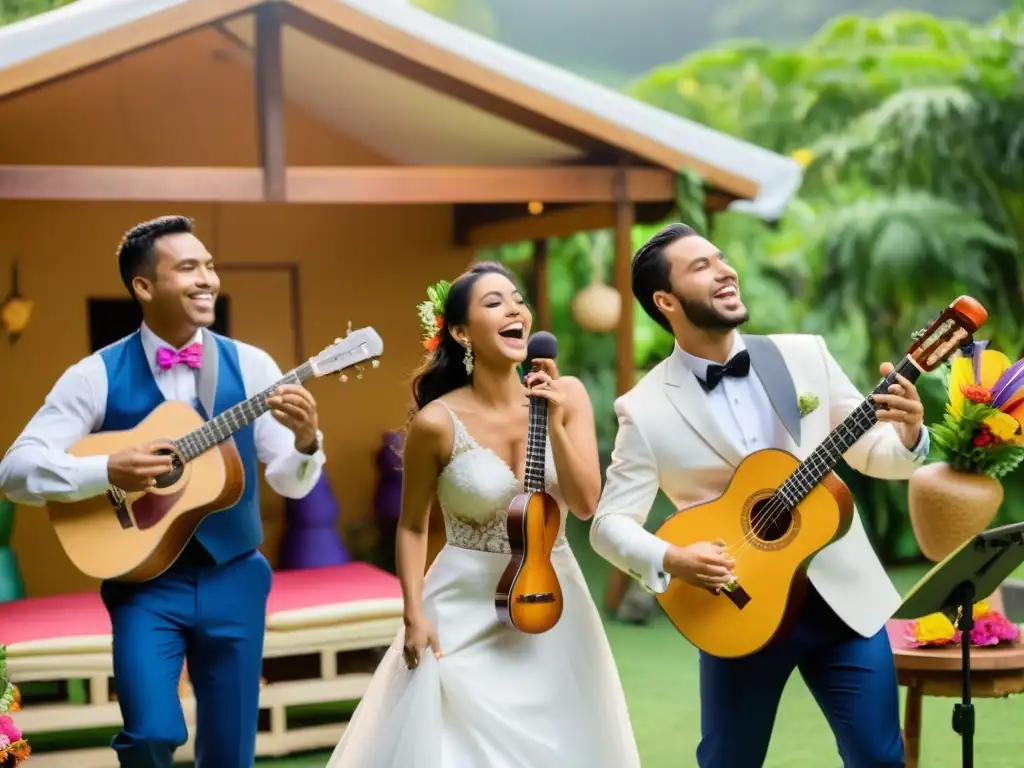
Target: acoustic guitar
136	536
778	512
529	597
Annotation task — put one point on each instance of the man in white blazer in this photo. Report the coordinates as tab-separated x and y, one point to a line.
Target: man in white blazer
684	429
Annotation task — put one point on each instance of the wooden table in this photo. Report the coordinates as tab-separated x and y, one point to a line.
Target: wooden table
995	673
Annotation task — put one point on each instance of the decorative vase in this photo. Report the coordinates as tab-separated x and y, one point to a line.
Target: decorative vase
948	506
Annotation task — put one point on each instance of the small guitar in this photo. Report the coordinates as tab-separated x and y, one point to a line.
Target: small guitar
528	596
136	536
778	512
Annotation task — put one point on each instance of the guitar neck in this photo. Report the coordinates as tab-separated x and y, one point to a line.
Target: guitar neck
536	445
224	425
825	457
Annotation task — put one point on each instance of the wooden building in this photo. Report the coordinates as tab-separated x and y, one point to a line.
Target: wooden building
337	156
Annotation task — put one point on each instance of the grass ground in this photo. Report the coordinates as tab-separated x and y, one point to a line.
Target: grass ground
659	674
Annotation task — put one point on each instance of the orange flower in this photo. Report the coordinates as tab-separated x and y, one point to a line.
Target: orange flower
431	344
976	393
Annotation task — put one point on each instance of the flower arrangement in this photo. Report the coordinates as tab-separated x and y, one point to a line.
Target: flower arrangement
936	630
981	431
13	748
432	314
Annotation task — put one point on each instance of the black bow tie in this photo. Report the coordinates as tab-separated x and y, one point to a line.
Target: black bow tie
738	366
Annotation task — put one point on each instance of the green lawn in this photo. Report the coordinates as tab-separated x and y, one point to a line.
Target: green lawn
659	673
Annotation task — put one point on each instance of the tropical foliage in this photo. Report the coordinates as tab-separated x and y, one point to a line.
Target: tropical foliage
911	132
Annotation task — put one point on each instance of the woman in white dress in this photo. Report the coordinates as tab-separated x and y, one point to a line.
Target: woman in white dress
458	688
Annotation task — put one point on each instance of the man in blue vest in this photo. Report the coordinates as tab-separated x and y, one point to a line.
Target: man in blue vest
209	608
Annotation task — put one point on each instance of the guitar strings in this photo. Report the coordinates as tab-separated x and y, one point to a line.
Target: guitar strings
778	505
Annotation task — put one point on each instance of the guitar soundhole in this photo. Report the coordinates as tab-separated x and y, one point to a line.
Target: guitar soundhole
770	519
177	468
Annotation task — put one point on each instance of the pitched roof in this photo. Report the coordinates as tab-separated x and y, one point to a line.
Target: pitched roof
90	31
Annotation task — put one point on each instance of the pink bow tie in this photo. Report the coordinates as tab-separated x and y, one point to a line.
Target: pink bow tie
192	356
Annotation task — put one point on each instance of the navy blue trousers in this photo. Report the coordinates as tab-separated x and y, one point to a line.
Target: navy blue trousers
213	616
853	679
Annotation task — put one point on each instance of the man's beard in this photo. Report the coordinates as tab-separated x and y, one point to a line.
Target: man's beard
704	316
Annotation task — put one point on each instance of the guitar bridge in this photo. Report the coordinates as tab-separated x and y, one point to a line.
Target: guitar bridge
117	499
536	597
736	593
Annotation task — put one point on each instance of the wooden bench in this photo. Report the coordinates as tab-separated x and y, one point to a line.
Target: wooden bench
326	629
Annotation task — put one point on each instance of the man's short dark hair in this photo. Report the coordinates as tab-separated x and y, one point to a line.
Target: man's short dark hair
136	254
651	269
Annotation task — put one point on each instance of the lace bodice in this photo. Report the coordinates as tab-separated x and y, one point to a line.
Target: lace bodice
475	489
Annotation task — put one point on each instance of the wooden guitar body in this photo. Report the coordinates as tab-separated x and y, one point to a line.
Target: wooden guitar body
528	596
148	534
779	511
772	548
135	537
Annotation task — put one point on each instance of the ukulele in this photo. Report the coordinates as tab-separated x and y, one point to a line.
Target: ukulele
136	536
778	512
528	597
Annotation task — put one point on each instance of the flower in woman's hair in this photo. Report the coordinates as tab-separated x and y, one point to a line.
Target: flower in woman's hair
431	314
976	394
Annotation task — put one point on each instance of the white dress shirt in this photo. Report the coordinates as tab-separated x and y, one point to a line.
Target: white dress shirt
743	406
37	467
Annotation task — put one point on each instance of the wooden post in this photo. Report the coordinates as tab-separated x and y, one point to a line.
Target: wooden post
540	293
625	217
625	368
269	70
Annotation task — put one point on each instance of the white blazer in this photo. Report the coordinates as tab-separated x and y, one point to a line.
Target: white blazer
668	438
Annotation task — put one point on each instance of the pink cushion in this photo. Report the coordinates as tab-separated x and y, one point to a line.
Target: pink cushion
54	616
83	613
348	583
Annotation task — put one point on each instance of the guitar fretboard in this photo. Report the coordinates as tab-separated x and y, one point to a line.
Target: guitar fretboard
224	425
823	460
536	445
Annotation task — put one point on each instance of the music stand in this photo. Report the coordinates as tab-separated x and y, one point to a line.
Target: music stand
976	567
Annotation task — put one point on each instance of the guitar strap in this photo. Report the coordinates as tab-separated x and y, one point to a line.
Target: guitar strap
767	360
206	375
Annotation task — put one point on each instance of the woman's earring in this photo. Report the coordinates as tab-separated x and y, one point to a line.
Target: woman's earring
467	359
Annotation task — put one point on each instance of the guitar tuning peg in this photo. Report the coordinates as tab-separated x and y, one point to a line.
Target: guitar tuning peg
375	363
343	378
348	330
337	340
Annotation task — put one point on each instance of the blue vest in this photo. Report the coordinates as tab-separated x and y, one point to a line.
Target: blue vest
132	394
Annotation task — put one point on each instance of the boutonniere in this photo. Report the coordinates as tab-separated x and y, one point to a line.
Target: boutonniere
808	403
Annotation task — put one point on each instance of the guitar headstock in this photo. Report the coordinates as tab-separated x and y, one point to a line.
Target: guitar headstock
356	348
953	328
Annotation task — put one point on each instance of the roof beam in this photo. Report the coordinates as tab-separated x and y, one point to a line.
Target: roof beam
269	69
441	81
416	185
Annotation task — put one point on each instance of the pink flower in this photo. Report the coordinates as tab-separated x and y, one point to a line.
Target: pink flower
9	729
992	629
4	741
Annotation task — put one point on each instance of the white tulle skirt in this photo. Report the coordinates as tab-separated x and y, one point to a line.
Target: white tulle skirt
498	698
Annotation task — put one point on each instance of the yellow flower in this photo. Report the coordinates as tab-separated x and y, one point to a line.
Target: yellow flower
980	609
961	374
803	157
934	628
1002	426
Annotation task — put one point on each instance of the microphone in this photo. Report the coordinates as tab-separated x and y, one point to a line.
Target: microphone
541	345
